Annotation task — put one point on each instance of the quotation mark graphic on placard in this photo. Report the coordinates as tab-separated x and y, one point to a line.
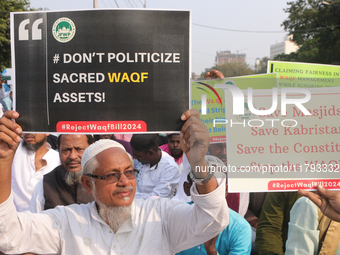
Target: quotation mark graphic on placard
36	32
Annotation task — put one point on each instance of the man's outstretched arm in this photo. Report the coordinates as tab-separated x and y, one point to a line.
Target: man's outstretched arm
9	140
18	231
191	225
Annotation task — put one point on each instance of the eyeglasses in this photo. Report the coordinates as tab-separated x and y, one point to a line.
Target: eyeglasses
115	176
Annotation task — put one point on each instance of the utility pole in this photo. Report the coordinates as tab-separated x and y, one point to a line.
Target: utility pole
95	4
145	4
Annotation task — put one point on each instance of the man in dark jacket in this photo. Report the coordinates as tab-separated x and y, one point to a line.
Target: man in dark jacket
62	185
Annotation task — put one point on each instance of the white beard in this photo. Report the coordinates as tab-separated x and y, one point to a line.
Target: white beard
114	216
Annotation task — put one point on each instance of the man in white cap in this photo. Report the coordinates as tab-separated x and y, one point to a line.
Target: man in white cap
115	223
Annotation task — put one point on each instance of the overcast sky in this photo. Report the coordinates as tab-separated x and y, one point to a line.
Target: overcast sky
246	15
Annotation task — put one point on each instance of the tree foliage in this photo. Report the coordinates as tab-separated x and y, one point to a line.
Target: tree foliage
231	69
315	26
7	6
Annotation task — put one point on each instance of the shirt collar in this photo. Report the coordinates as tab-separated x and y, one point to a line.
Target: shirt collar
48	155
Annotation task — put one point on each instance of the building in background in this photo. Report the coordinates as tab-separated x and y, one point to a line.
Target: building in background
223	57
286	47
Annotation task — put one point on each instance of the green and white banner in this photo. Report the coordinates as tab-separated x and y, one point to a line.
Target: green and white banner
305	75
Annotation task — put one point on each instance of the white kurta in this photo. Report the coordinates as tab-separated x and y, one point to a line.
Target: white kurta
37	203
157	226
25	177
159	180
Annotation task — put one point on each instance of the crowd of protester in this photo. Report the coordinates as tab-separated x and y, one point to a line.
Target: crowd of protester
175	217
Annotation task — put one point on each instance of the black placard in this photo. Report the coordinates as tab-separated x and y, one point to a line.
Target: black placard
116	69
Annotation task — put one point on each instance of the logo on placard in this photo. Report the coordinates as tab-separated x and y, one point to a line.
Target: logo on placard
63	30
211	91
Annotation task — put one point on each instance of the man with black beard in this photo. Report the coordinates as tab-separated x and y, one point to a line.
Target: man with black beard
31	161
62	186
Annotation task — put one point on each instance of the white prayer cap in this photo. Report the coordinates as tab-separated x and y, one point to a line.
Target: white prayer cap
97	148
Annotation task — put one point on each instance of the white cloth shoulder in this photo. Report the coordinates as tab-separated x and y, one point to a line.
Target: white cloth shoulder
25	177
180	194
37	203
303	233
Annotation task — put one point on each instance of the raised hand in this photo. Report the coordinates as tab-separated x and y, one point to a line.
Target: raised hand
214	74
194	137
327	200
9	134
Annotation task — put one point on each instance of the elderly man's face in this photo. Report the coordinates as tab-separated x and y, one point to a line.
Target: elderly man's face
71	150
119	193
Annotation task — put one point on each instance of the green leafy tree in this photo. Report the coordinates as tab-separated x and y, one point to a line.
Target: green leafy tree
231	69
315	26
7	6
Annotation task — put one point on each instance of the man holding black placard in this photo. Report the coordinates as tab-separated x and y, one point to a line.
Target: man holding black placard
152	226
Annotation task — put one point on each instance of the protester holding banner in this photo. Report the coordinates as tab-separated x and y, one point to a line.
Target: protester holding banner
126	226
